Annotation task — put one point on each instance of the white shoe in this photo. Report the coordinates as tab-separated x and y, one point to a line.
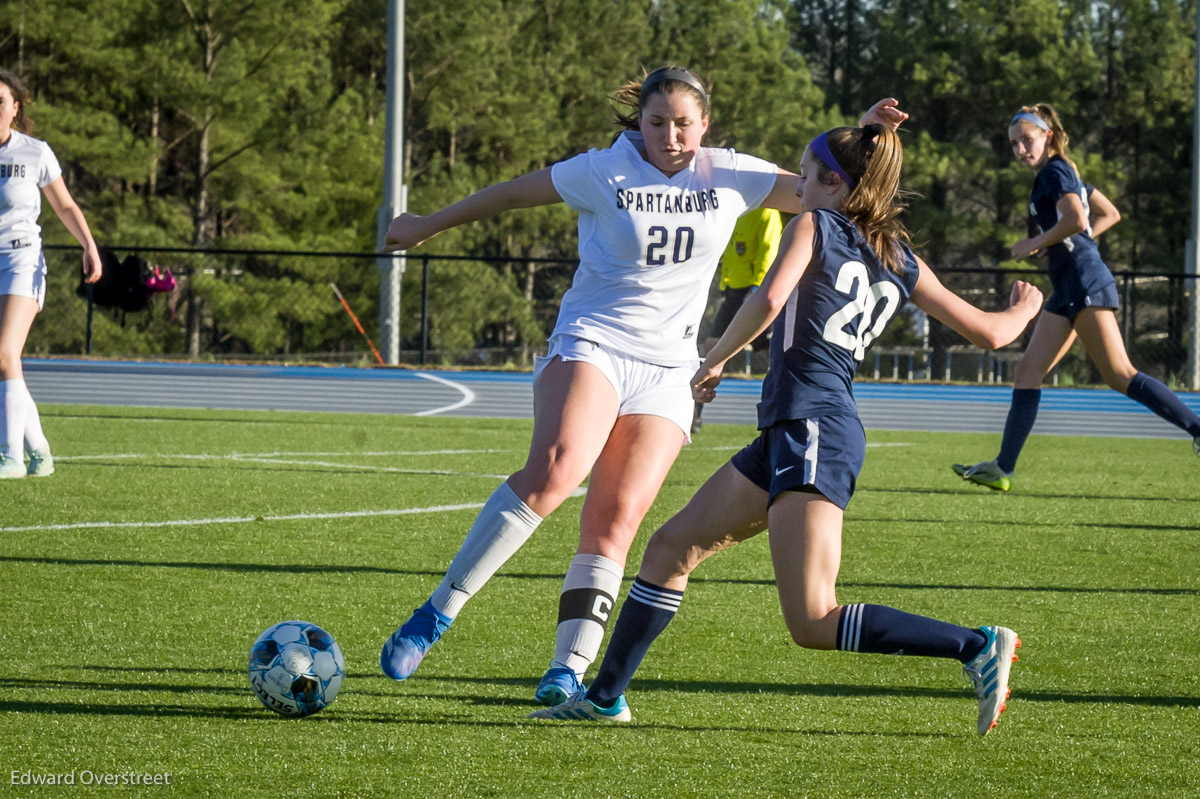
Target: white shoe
11	468
988	671
580	708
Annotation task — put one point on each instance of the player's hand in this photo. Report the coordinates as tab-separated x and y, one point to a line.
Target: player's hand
885	112
91	264
1025	294
407	231
705	382
1023	249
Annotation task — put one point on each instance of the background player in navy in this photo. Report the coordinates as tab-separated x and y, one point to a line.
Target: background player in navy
1083	301
612	396
843	272
28	169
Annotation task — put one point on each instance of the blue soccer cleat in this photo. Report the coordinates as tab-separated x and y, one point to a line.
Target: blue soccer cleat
407	646
580	708
988	671
557	686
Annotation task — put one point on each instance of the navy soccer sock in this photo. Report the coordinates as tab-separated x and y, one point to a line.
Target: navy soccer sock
646	613
1160	399
887	631
1021	416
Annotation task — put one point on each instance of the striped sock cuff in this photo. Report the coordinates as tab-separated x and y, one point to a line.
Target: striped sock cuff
654	596
850	628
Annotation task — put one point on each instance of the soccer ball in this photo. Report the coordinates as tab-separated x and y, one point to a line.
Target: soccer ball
296	668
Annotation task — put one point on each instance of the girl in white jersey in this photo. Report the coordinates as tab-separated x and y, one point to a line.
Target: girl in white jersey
26	165
612	396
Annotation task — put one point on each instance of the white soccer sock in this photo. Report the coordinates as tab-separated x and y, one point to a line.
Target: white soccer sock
12	426
504	524
589	596
35	437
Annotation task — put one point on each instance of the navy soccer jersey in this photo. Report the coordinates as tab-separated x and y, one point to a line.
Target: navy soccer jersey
842	303
1076	269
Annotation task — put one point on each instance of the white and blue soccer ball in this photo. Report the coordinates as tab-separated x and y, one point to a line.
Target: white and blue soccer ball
296	668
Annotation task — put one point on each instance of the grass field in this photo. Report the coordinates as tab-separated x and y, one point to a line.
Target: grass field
133	582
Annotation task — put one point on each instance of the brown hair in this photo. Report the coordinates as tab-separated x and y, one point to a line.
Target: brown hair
22	122
629	95
872	157
1060	139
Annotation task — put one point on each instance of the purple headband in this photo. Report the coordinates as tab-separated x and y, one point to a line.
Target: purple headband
820	149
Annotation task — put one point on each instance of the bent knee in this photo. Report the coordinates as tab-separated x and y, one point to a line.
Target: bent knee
807	635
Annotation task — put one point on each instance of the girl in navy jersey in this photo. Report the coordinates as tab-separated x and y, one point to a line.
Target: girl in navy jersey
27	165
611	398
843	271
1083	301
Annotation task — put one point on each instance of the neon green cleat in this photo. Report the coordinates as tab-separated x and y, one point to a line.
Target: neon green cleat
985	474
40	464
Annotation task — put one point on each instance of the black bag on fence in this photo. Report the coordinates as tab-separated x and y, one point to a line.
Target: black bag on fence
122	284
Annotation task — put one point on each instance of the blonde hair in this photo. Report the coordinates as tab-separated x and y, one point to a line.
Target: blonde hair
1060	139
22	121
629	95
872	156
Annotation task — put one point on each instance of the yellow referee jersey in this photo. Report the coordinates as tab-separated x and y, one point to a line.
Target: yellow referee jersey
751	249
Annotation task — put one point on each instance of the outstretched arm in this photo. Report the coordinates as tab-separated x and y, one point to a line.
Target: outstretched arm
532	189
989	330
64	206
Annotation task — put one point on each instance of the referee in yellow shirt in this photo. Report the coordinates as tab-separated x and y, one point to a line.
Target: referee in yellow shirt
747	257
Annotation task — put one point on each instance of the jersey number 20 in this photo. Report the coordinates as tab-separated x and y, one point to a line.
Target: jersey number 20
854	281
681	250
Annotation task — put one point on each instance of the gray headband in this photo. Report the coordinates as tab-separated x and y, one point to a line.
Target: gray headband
668	73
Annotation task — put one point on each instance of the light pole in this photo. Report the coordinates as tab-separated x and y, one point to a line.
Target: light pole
395	193
1192	267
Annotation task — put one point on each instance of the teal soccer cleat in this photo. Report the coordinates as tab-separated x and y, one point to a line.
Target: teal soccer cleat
580	708
406	648
988	672
557	686
40	464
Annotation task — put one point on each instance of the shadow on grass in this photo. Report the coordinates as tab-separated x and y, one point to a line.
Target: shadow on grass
967	489
839	691
1008	523
308	568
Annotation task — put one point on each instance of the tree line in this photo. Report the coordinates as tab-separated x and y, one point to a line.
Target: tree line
259	124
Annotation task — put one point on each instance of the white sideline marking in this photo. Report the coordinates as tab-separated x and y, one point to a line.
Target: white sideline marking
355	453
288	517
468	394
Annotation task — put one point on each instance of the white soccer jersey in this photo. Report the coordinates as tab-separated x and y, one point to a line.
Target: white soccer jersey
26	166
649	244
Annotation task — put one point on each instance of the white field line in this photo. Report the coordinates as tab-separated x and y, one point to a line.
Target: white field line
468	395
245	519
354	453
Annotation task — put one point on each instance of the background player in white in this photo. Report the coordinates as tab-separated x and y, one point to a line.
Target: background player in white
612	396
27	165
